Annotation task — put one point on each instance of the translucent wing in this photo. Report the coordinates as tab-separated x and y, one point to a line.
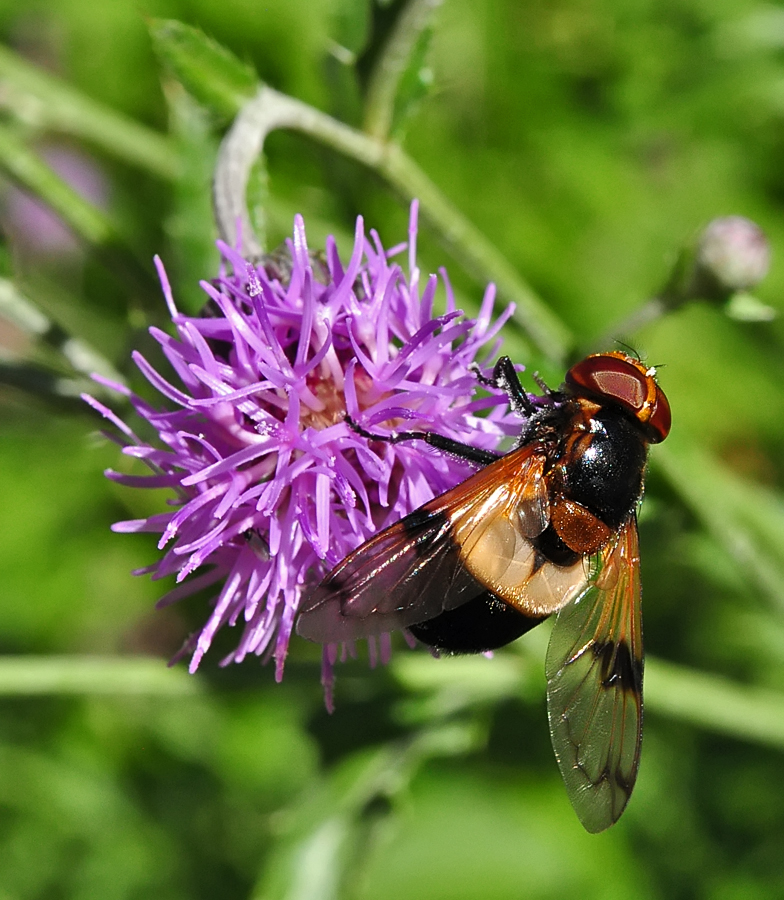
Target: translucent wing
594	686
406	574
472	540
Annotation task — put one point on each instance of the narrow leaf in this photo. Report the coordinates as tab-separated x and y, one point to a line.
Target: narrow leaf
206	69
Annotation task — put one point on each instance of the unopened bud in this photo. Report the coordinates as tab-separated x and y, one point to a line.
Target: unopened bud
733	255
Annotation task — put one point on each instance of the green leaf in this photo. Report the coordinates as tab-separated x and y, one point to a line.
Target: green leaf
190	224
327	837
38	100
743	711
416	83
350	25
206	69
400	77
745	307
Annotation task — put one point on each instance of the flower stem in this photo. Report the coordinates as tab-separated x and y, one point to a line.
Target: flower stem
34	380
43	102
26	675
650	311
26	316
701	698
270	110
717	499
716	703
385	78
88	222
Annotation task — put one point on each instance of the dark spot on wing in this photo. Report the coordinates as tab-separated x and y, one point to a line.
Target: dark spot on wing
539	561
333	584
619	667
425	527
415	520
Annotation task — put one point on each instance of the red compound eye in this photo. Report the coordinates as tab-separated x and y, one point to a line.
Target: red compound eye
617	378
627	382
661	417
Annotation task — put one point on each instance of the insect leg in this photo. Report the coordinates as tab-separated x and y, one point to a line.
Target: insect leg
543	384
505	379
439	441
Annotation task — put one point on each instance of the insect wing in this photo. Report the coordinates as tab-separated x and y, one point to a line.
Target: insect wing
415	569
594	686
398	578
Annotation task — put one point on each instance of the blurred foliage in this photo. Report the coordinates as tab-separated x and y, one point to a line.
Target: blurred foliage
589	142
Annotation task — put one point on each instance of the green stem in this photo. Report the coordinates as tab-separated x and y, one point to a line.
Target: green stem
715	703
34	380
650	311
82	358
35	176
708	491
43	102
88	222
270	110
385	79
700	698
27	675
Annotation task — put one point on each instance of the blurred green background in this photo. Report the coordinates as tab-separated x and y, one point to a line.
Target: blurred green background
589	141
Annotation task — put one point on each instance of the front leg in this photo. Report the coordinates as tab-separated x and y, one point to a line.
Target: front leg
439	441
505	379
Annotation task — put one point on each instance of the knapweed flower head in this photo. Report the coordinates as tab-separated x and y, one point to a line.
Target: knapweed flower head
272	486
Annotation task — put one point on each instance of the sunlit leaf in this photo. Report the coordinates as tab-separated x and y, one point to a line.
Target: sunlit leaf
207	70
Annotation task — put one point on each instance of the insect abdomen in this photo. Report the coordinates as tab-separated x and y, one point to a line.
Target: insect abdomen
484	623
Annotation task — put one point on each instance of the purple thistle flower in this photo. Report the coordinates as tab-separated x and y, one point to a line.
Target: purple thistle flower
272	486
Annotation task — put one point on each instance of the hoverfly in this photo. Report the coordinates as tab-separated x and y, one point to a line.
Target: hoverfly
549	527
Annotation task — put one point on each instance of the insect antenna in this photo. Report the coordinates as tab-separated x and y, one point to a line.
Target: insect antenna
632	351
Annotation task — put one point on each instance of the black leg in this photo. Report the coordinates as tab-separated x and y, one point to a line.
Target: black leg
546	390
439	441
505	379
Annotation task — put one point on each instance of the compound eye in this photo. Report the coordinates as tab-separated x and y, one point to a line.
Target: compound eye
625	381
616	378
661	417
